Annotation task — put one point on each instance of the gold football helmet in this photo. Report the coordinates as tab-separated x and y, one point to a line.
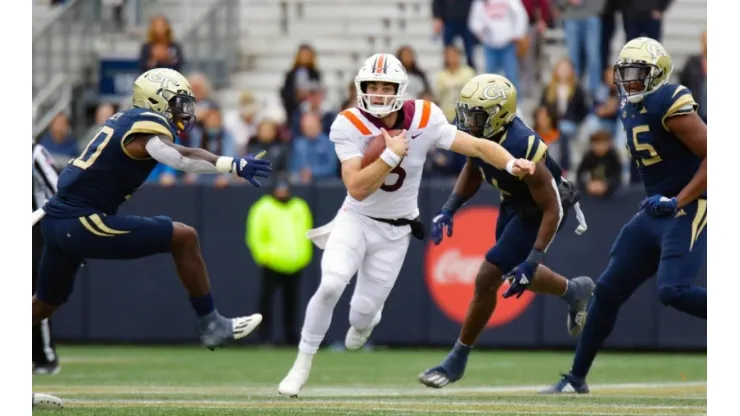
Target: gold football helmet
643	66
487	104
167	92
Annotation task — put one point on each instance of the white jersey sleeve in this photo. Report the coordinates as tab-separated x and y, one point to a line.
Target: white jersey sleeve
341	134
441	128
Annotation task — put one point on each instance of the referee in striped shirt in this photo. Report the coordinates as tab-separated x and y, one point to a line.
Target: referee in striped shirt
45	360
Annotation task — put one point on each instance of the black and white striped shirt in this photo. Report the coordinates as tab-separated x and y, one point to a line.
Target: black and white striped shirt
44	176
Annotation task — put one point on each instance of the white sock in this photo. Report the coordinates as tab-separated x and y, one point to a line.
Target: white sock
319	313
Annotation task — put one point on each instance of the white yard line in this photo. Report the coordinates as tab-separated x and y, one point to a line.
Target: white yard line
348	391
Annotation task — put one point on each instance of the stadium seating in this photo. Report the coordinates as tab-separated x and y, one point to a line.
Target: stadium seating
346	31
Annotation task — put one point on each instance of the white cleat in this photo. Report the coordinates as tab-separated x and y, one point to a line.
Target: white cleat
293	382
47	401
245	325
297	376
356	339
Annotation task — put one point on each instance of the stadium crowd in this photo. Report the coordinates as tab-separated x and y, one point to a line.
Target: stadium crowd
576	106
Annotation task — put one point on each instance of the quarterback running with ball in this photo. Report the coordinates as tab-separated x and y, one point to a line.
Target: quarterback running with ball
372	230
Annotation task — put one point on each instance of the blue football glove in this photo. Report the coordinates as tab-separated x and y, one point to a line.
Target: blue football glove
253	166
522	275
659	205
442	220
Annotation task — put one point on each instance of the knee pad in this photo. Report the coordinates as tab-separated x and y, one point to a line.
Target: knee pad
669	293
330	289
362	311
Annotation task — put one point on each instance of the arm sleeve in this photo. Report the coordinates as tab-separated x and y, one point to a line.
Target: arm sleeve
169	156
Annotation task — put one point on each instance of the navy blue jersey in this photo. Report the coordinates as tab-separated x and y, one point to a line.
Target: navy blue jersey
523	143
666	165
104	176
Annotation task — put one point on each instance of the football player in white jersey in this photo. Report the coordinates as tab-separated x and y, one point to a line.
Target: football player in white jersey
371	232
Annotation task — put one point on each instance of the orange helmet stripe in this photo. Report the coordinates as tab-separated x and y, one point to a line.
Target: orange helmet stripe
380	64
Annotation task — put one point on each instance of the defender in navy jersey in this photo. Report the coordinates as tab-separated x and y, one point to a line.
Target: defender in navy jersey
81	220
667	237
532	211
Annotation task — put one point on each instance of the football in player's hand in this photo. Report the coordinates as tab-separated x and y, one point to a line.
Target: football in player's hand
376	146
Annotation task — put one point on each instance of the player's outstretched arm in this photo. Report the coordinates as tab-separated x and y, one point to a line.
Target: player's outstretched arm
466	186
362	182
492	153
194	160
691	130
544	191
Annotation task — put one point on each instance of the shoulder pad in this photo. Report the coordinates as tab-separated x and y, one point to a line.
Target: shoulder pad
672	100
149	122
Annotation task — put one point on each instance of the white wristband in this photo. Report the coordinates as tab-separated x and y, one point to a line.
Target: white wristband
224	164
390	158
510	166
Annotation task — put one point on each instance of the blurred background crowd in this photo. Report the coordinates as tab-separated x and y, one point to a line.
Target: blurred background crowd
558	53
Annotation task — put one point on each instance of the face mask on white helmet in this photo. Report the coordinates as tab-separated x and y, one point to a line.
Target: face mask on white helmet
376	69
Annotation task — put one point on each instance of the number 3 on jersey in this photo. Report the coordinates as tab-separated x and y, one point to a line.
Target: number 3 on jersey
398	170
93	148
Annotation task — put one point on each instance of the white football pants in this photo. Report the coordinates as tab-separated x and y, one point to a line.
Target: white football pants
356	244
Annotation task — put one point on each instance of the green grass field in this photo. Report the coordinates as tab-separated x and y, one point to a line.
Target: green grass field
241	380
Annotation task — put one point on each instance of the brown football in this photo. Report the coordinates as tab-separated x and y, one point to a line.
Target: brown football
376	146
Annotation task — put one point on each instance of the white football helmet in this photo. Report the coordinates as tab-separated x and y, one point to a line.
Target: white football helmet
381	67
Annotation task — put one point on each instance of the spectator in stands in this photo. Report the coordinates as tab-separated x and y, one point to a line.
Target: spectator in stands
564	97
582	24
204	103
418	82
314	103
351	100
605	115
428	96
540	17
267	139
242	122
643	18
608	25
600	172
545	126
313	156
298	79
160	50
451	20
450	81
217	140
694	77
499	25
104	112
58	140
276	229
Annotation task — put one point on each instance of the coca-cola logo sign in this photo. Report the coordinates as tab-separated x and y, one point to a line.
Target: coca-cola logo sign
451	267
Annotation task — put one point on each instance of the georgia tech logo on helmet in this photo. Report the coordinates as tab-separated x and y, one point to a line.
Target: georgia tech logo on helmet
451	268
164	82
493	92
656	49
